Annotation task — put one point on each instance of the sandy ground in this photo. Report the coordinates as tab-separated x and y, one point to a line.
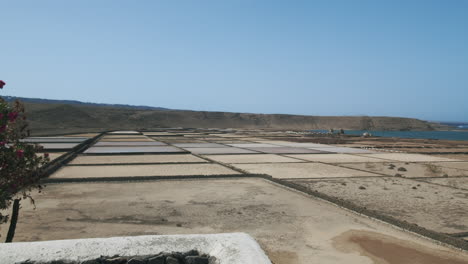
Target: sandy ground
301	145
291	227
457	182
452	156
456	165
391	250
116	159
406	157
434	207
141	170
409	170
435	150
344	150
286	150
334	158
302	170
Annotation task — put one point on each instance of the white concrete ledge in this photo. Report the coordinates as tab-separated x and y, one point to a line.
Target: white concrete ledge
229	248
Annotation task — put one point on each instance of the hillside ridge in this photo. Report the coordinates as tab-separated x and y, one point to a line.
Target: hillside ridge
61	116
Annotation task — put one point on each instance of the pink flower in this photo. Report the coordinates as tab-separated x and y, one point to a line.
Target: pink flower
2	83
12	116
2	128
1	115
46	155
2	143
20	153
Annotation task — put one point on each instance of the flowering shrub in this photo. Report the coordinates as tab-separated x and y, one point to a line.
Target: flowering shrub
20	165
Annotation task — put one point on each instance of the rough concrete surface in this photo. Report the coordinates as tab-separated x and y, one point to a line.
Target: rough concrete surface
418	202
291	227
229	248
116	159
301	170
141	170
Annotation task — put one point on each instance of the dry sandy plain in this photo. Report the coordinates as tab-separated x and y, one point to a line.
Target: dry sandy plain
292	226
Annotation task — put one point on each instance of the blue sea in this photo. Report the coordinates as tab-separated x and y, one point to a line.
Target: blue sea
459	125
449	135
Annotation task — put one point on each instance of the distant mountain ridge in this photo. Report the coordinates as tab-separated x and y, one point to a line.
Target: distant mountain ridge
67	116
75	102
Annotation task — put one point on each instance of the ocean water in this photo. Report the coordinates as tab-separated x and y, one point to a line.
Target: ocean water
449	135
459	125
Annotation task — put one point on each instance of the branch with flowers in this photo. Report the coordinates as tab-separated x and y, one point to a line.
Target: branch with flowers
20	162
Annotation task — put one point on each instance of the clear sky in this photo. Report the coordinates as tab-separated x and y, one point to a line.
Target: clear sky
385	58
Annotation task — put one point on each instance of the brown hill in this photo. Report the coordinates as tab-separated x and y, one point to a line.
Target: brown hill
66	118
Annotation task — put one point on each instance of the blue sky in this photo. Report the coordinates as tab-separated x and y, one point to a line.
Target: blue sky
384	58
